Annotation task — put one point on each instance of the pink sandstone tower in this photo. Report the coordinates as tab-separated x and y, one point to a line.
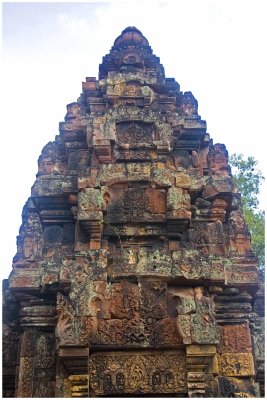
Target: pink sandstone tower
134	274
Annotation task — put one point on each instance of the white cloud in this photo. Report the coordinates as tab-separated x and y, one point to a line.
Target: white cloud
74	26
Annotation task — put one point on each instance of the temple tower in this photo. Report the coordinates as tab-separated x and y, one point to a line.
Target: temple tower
134	274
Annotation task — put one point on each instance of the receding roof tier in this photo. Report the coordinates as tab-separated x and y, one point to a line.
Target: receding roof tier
134	273
130	37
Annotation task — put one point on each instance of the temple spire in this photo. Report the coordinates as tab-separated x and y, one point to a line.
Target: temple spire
134	273
130	52
131	36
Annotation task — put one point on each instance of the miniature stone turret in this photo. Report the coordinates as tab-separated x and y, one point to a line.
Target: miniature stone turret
134	273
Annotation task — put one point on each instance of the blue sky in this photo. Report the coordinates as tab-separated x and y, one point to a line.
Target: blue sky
216	49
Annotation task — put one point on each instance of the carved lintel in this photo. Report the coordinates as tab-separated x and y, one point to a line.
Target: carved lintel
132	373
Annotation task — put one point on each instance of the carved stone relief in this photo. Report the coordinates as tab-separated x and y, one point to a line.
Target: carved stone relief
131	373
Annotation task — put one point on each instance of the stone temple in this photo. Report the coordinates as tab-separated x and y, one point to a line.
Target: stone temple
134	274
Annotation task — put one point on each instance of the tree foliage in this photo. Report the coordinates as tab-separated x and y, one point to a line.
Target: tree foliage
248	179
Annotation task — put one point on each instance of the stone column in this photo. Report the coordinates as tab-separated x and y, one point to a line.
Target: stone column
37	364
201	368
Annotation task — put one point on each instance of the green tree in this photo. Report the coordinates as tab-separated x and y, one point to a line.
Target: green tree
248	179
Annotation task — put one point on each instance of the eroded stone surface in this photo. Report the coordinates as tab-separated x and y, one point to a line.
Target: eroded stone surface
133	373
235	339
133	250
236	364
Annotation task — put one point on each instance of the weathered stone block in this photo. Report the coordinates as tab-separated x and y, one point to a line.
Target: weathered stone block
240	274
180	301
217	186
186	264
178	204
184	328
204	329
24	279
236	387
154	263
54	185
203	350
124	300
236	364
183	180
234	339
123	333
167	333
153	299
89	200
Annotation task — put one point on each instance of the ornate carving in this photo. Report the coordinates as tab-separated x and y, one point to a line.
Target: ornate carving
204	327
124	332
53	234
238	233
44	366
89	201
258	339
189	104
235	339
27	343
134	134
184	328
65	329
186	263
25	382
236	364
124	300
135	205
178	204
219	160
129	206
208	238
130	155
109	332
134	231
37	364
241	274
77	386
132	373
167	332
153	299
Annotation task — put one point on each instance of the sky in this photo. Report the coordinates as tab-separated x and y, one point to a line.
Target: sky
214	48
